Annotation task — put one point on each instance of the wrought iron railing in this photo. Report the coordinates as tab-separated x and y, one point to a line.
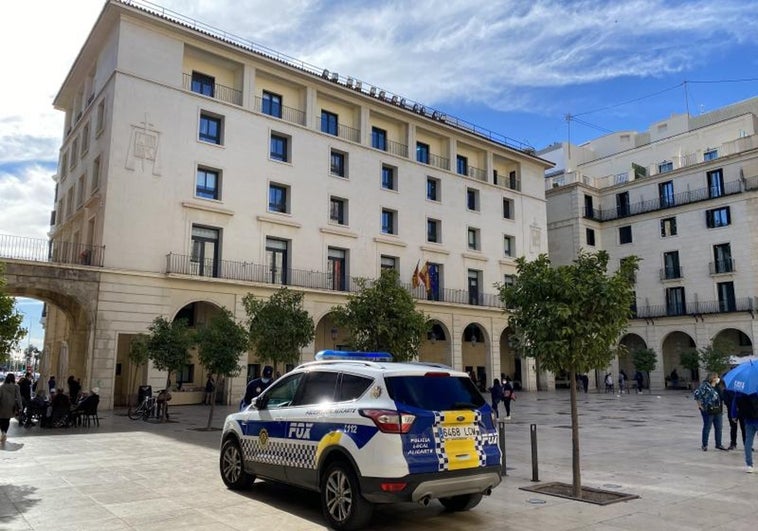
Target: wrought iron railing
39	250
672	273
744	304
721	267
438	161
250	272
342	130
396	148
477	173
288	114
220	92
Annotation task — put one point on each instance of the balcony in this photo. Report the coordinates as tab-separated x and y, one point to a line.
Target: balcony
38	250
671	273
722	267
288	114
341	131
476	173
436	161
249	272
396	148
220	92
745	304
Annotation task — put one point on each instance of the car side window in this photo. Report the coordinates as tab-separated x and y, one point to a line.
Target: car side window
282	392
318	388
352	387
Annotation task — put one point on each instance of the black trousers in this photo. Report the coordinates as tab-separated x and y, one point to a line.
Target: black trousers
4	425
733	430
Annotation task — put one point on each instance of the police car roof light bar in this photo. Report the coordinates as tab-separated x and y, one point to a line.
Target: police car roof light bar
348	355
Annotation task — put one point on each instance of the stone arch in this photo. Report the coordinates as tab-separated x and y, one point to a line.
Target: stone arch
672	347
475	353
630	342
438	345
736	340
328	334
510	361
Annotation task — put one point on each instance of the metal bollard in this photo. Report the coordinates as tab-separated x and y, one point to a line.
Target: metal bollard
501	435
533	432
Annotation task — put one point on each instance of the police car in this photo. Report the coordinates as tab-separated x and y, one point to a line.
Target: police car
361	430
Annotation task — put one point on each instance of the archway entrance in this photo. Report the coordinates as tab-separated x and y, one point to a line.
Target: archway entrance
436	348
510	362
736	341
631	343
475	354
674	345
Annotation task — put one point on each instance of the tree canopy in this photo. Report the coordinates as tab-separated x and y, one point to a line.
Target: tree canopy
11	331
382	316
715	356
279	327
645	360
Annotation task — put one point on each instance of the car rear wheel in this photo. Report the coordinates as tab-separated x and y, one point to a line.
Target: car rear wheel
341	501
464	502
232	466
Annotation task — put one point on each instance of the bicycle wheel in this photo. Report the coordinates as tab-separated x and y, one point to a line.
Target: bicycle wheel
135	413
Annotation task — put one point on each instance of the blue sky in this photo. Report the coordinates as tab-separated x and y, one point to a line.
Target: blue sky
514	67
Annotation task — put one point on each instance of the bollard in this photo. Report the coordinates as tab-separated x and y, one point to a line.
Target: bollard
533	432
501	434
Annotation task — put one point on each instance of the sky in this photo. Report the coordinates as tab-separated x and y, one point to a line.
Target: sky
516	68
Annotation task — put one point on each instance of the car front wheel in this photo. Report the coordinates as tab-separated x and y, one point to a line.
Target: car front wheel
232	466
464	502
341	501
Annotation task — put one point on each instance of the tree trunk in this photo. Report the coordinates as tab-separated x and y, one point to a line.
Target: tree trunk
213	401
577	477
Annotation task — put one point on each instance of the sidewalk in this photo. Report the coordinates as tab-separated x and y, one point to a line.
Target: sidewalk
143	475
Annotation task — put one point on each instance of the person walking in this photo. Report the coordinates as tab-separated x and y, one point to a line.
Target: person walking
608	383
508	395
710	405
257	386
74	388
496	392
746	407
210	386
735	421
10	404
622	381
638	379
51	385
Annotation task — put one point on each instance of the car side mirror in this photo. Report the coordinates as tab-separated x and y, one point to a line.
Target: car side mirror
260	402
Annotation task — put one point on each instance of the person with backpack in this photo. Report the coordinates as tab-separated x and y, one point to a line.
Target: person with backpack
746	407
709	403
496	391
508	395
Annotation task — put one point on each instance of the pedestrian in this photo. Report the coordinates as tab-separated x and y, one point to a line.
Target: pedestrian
10	404
508	395
608	383
746	407
735	421
496	391
674	379
622	381
164	396
74	388
257	386
51	385
710	405
585	382
210	386
638	379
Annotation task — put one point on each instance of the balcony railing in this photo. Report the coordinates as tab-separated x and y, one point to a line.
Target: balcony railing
438	161
288	114
745	304
721	267
477	173
220	92
661	203
39	250
343	131
396	148
672	273
249	272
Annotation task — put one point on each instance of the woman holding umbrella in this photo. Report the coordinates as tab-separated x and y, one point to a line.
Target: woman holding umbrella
743	381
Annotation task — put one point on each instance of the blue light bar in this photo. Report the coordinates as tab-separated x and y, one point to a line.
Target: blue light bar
346	355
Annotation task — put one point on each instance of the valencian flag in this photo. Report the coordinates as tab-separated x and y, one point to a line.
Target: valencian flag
414	279
423	276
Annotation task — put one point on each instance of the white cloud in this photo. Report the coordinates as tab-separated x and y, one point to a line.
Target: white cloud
26	199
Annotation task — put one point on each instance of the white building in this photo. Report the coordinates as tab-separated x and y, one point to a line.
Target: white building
681	196
197	167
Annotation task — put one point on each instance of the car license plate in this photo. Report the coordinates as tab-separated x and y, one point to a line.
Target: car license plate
458	432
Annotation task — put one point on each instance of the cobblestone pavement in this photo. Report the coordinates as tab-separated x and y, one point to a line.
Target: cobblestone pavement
142	475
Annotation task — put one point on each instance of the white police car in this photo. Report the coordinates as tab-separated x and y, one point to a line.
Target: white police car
361	430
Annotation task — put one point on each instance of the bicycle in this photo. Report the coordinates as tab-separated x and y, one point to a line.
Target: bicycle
144	410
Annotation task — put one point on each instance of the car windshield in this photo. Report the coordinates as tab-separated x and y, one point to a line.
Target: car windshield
437	393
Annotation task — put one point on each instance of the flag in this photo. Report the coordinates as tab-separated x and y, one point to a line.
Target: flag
423	276
415	279
434	280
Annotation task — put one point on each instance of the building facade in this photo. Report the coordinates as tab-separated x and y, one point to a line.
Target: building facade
682	196
196	168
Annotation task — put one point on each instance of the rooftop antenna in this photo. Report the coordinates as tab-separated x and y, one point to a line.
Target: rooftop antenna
568	142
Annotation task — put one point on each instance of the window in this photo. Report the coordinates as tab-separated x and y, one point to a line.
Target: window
205	251
589	209
320	387
388	262
472	199
338	164
461	164
283	391
100	117
74	154
590	233
632	275
329	123
668	227
278	200
388	178
352	387
513	181
717	217
279	147
185	375
277	260
432	189
666	194
271	104
509	280
433	230
509	247
210	128
722	258
95	183
80	191
671	267
422	152
508	209
710	154
675	301
434	274
338	210
473	239
389	221
726	296
379	138
622	204
203	84
85	138
665	166
625	234
715	183
474	283
337	268
64	165
207	183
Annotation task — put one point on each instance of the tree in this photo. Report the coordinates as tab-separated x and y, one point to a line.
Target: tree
568	318
715	356
220	344
279	327
690	359
645	361
138	355
167	346
382	316
11	331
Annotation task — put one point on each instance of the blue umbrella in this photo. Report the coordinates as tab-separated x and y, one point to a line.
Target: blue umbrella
743	378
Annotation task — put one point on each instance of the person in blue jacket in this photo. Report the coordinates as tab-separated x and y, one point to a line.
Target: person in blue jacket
257	386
